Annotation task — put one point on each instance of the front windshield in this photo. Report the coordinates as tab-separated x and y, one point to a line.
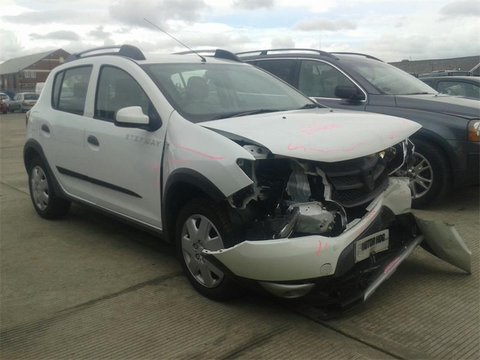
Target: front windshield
208	91
388	79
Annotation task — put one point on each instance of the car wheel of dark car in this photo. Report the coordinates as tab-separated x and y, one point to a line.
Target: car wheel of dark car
429	175
203	225
47	204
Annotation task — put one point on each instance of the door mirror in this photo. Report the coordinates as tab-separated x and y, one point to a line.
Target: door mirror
131	116
349	92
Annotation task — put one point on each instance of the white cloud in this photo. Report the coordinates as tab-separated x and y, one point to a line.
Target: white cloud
325	25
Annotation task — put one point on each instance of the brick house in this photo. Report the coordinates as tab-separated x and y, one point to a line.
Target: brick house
23	73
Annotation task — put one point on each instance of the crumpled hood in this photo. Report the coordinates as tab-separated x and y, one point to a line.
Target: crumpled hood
441	103
318	134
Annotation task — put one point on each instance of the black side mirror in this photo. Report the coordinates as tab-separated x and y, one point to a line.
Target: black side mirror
349	92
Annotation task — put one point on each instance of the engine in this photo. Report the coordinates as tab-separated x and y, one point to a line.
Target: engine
292	197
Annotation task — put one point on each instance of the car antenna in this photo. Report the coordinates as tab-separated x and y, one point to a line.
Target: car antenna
174	38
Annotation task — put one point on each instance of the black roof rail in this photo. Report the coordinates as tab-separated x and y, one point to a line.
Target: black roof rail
129	51
266	52
216	53
355	53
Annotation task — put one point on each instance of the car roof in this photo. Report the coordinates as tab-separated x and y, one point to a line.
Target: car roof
300	52
102	54
452	77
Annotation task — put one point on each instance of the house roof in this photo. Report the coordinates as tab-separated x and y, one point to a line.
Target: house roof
17	64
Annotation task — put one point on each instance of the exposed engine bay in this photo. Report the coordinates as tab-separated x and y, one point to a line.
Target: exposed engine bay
292	197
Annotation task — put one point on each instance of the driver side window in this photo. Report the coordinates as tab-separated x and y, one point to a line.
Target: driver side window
318	79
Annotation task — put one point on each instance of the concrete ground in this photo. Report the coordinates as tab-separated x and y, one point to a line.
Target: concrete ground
90	287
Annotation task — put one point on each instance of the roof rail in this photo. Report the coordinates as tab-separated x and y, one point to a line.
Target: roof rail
300	50
355	53
216	53
129	51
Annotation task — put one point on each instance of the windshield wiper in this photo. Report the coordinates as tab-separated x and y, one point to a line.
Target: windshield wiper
419	93
310	106
244	113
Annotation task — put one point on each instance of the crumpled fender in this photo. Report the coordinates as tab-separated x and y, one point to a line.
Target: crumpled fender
444	242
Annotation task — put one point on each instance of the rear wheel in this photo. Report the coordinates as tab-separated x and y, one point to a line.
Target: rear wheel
45	201
203	225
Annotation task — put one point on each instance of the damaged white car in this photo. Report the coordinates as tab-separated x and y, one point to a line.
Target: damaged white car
251	180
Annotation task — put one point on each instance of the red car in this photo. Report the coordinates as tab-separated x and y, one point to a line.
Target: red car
4	103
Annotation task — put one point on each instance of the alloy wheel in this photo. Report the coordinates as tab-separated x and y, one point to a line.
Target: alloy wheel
200	233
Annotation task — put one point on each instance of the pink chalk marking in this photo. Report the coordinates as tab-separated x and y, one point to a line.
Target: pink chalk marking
321	247
315	129
391	266
211	157
292	147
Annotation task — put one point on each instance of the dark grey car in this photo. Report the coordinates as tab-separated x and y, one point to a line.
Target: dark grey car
447	148
466	86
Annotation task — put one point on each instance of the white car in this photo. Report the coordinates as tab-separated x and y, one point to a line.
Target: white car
252	181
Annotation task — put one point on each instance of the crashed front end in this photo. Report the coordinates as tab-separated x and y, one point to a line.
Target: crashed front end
338	229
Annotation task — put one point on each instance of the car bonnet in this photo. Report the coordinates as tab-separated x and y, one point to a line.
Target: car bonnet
321	134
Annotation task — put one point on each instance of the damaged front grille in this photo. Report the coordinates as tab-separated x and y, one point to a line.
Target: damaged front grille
355	182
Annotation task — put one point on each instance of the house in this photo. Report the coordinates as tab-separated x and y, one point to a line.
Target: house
23	73
417	67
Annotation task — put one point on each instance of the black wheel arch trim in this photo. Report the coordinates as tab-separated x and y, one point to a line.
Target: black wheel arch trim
34	146
431	137
190	178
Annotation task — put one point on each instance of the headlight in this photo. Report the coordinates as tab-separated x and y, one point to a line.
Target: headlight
474	130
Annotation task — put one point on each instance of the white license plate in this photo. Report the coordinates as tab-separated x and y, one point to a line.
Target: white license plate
372	244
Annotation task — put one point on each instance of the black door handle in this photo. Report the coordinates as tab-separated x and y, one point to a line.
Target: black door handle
46	129
93	140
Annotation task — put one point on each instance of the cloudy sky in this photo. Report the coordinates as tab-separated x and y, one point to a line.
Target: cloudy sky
389	29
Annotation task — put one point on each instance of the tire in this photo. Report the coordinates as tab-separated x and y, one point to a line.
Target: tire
430	175
45	201
204	276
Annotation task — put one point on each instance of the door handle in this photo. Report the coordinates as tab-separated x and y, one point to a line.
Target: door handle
93	140
45	128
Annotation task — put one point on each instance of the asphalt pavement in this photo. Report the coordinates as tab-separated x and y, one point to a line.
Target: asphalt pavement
91	287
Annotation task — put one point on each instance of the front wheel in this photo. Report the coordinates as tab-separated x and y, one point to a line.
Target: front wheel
203	225
45	201
429	175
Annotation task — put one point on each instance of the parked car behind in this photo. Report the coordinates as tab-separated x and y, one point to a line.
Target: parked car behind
466	86
23	101
4	103
252	181
447	148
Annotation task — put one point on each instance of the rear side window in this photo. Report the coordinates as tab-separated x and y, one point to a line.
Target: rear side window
70	89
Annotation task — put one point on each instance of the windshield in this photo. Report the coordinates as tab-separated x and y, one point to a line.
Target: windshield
388	79
208	91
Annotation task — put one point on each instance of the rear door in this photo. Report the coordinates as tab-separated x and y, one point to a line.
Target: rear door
62	129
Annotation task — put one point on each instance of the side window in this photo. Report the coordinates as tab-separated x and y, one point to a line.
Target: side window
116	89
318	79
70	89
284	69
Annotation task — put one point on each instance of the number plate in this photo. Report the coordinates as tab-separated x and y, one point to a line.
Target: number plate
372	244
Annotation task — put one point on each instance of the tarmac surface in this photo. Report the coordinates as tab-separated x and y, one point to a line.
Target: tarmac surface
91	287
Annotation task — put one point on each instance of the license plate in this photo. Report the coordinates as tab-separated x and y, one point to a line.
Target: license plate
372	244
